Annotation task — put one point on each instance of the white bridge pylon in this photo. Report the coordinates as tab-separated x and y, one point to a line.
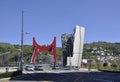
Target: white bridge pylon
77	47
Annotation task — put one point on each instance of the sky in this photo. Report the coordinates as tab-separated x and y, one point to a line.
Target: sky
44	19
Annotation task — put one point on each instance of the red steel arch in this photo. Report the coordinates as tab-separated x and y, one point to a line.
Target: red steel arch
38	48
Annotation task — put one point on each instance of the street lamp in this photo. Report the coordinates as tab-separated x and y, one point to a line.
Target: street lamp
21	50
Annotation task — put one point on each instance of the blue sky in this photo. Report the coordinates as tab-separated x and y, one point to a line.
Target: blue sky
45	19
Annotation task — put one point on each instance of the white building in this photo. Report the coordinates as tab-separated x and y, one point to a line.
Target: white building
77	47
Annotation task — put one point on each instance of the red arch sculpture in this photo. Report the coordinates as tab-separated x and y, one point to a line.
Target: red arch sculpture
37	48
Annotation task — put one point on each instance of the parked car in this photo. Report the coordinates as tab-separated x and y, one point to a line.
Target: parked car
29	67
54	66
38	67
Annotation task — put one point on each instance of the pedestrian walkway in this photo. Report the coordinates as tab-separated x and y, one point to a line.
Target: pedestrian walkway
86	69
5	79
3	69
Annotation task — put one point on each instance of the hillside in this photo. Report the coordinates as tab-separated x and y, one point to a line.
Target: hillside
106	47
109	48
27	52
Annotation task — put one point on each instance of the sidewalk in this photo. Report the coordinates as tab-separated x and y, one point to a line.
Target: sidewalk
3	69
85	69
5	79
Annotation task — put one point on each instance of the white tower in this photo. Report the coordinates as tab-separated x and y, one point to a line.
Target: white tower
77	47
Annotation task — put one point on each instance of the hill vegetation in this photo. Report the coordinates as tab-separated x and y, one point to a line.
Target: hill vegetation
89	51
27	52
108	48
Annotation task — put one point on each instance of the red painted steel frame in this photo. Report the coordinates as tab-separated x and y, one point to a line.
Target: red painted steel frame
37	48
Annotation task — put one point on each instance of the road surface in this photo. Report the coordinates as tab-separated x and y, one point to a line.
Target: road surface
67	76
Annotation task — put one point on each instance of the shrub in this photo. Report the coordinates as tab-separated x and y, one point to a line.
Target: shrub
10	74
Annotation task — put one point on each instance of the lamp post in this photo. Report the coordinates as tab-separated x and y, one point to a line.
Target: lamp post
22	36
21	49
